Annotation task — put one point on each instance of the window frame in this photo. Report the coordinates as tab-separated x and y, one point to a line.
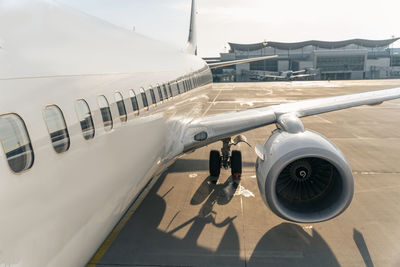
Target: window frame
152	96
30	146
122	117
177	87
160	95
133	95
144	98
109	112
188	84
65	124
165	91
170	90
91	119
184	85
191	81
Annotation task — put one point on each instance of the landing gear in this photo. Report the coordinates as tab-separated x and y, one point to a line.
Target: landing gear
236	164
227	159
215	163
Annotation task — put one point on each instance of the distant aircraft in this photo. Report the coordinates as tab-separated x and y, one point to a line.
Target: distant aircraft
91	113
289	75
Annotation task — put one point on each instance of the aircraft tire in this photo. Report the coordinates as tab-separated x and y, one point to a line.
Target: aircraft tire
215	163
236	163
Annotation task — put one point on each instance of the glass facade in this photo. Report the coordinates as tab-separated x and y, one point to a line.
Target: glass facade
341	63
395	61
264	65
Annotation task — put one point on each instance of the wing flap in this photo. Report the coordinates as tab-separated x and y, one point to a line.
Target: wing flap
217	127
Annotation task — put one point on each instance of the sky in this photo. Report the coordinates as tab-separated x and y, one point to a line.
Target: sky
250	21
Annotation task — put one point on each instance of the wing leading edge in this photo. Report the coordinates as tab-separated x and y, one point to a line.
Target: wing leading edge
216	127
237	62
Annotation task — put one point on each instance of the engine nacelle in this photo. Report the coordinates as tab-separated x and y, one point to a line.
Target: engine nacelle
304	177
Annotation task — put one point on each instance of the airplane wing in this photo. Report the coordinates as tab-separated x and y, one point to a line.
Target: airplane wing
298	71
236	62
273	76
216	127
302	75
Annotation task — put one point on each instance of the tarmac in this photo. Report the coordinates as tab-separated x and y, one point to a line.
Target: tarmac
187	221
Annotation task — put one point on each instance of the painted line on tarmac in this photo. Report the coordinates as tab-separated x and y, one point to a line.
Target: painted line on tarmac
211	104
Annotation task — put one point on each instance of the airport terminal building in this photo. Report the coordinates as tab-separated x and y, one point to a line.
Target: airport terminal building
342	60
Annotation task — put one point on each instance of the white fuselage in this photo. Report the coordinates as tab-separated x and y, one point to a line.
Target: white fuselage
59	211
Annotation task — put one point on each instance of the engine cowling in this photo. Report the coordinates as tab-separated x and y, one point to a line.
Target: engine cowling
304	177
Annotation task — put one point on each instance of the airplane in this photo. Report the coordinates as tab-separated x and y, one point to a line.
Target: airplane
91	114
289	75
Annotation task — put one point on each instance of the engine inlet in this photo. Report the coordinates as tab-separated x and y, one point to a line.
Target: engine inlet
308	185
305	180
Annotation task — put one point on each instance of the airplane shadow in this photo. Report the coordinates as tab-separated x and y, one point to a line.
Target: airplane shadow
221	194
288	244
193	165
142	242
362	247
149	240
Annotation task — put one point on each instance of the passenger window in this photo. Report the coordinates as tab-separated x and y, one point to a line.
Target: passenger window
135	105
165	91
144	98
16	143
121	106
105	112
187	84
58	131
184	85
177	87
170	90
153	96
160	93
85	119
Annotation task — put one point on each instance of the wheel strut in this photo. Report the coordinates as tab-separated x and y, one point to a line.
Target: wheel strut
226	150
227	159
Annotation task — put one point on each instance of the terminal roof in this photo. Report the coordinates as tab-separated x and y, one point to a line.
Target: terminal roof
320	44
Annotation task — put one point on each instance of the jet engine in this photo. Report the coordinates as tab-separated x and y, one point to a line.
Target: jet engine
303	177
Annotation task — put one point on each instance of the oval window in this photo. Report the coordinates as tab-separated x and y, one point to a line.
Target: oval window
165	91
170	90
184	86
160	93
177	87
57	128
16	142
135	105
85	118
105	112
121	106
144	98
153	96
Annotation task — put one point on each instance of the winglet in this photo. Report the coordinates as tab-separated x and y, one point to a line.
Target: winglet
191	46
